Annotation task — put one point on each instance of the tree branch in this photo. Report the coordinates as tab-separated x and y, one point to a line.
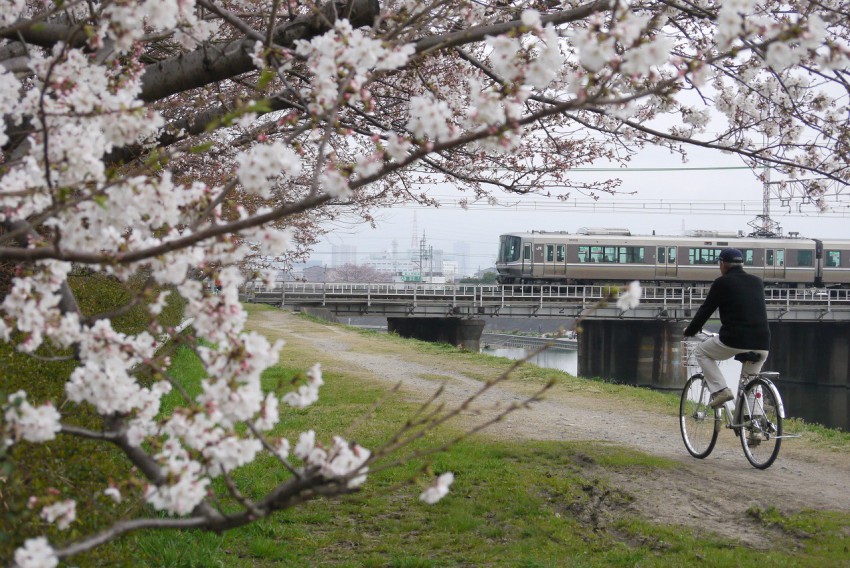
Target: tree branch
213	63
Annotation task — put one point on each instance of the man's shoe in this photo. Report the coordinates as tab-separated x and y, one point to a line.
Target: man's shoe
718	398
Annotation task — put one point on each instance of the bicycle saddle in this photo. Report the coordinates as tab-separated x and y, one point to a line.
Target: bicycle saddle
748	356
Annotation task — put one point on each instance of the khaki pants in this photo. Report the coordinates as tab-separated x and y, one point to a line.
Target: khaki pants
710	351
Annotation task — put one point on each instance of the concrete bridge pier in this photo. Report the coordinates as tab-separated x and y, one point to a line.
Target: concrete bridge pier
648	353
643	353
816	353
465	333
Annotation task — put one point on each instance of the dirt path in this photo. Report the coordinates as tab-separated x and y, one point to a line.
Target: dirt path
713	494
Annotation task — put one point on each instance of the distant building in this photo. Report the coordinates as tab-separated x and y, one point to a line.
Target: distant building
462	252
450	270
343	254
391	264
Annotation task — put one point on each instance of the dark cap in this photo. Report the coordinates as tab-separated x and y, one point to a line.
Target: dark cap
731	256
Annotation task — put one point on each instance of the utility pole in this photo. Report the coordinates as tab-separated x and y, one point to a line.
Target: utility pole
424	255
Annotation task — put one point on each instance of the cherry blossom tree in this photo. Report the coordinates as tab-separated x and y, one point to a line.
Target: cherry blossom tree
358	273
180	139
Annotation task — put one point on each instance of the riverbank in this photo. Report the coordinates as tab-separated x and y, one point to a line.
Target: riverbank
716	494
594	475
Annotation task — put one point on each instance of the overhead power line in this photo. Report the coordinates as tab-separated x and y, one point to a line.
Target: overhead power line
660	206
682	169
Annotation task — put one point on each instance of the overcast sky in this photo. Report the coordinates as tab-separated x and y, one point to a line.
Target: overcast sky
667	202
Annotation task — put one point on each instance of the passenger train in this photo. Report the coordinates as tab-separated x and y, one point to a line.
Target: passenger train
591	256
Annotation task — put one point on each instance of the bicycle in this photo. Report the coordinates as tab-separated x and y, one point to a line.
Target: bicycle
756	416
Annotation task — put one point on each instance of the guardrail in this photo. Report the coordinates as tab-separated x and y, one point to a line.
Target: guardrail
528	341
409	299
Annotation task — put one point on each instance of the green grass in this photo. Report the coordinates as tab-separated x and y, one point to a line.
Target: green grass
77	468
818	435
512	504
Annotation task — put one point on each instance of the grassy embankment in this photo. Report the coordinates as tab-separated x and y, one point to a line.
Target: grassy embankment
69	466
512	504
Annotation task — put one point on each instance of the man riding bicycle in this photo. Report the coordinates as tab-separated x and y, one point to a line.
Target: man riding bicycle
743	317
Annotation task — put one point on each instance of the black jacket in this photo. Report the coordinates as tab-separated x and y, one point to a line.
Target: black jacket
740	298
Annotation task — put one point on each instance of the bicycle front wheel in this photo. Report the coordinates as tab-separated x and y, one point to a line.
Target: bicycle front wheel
761	434
697	420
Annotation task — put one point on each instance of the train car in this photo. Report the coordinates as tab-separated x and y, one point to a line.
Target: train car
835	263
592	256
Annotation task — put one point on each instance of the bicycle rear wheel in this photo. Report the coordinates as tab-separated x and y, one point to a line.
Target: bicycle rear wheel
762	424
697	420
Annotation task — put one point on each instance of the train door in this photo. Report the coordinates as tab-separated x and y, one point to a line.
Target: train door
538	256
526	259
561	261
665	261
774	263
551	265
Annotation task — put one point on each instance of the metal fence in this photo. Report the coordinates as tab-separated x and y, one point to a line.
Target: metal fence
530	301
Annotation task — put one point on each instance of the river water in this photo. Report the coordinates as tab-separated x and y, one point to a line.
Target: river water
562	359
819	404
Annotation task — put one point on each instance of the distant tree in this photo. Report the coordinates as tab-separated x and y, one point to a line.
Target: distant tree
175	139
358	273
486	278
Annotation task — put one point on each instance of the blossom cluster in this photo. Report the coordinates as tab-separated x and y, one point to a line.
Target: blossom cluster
36	553
264	162
63	513
630	297
343	460
438	489
341	62
124	22
34	424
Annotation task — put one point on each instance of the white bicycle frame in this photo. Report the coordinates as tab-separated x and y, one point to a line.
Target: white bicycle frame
731	414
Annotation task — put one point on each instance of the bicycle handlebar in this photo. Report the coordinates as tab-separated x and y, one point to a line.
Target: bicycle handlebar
701	335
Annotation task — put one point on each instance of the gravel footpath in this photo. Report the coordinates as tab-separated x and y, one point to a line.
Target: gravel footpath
712	494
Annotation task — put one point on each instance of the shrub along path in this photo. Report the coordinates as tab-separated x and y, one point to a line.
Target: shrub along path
722	493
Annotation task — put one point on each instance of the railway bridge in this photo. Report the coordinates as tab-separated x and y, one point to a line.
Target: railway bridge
810	327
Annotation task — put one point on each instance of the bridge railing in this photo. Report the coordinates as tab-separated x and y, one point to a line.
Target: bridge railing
415	294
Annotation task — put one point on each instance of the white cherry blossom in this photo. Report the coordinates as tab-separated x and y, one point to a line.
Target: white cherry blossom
34	424
630	297
63	513
36	553
438	489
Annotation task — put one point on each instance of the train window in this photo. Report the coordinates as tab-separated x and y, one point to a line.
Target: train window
509	248
805	258
526	251
550	253
662	255
597	254
562	253
703	256
774	257
583	253
671	255
631	255
833	258
748	257
619	255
